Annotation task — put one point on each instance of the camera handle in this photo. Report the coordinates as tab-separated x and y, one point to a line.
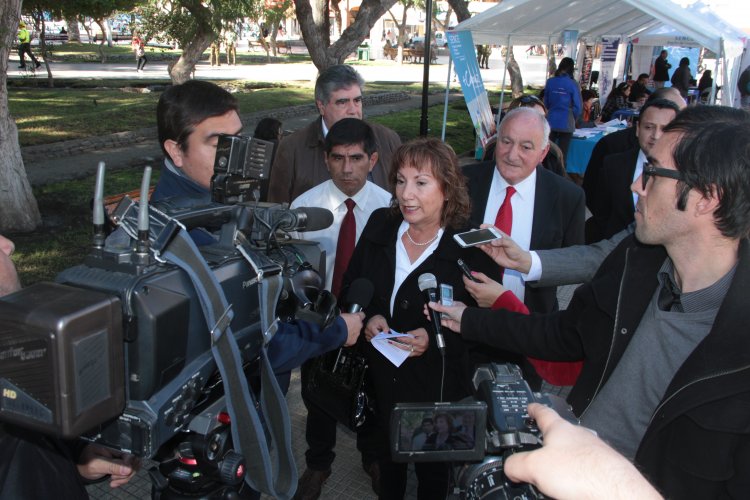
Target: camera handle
276	478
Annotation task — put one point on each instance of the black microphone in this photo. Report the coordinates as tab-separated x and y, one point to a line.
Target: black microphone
359	295
428	284
302	219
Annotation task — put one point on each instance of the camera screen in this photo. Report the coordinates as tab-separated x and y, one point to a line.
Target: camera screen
479	236
439	432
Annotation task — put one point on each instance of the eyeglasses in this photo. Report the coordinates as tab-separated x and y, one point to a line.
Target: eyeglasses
650	170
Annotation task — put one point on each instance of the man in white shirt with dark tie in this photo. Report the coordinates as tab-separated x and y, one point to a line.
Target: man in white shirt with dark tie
349	156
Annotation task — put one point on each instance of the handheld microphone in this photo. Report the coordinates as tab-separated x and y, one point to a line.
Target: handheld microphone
359	295
428	284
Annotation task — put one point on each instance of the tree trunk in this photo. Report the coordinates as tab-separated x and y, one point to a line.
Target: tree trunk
100	48
41	28
461	8
74	34
516	80
337	16
181	71
314	24
18	208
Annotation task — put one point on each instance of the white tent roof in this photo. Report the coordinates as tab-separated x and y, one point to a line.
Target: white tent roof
539	21
527	22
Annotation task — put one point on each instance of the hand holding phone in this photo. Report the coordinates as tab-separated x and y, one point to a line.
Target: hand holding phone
465	269
477	237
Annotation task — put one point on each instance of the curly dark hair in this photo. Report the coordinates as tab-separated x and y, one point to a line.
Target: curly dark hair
432	153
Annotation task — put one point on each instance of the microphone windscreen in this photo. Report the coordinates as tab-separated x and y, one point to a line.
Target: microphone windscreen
427	281
360	292
313	218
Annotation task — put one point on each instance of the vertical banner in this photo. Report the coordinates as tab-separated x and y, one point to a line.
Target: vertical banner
568	40
607	70
464	57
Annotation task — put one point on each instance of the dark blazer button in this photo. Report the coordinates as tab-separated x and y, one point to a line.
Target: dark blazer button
404	304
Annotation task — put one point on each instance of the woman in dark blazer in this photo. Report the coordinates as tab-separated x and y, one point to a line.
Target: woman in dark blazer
398	245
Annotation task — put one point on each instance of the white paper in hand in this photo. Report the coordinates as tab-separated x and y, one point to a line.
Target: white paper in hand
395	355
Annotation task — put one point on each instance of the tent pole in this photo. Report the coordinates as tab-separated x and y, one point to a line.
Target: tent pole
447	92
508	48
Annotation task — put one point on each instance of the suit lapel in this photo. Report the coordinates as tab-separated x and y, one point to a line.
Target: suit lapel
479	191
545	202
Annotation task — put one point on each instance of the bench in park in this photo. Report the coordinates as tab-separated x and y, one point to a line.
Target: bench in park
413	55
283	47
116	37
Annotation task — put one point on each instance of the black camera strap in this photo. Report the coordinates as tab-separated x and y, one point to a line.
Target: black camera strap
270	465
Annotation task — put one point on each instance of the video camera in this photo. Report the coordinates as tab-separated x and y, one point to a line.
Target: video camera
118	350
478	434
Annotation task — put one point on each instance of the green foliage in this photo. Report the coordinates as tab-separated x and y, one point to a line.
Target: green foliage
97	9
182	20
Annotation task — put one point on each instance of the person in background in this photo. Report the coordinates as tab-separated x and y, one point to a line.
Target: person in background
743	85
139	49
617	99
705	84
562	97
661	70
682	78
554	161
639	90
590	114
299	163
230	44
215	57
24	46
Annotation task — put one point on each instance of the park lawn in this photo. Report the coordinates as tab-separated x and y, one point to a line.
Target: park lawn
46	116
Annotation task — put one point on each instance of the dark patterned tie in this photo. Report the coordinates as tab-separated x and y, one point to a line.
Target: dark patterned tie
344	247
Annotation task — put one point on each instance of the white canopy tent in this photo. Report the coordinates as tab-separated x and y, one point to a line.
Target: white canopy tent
527	22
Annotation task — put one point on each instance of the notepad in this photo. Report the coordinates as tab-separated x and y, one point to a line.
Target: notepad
394	354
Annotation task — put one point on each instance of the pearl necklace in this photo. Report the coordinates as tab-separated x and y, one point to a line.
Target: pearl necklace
426	242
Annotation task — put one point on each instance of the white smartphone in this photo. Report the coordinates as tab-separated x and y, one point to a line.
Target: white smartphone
446	294
477	237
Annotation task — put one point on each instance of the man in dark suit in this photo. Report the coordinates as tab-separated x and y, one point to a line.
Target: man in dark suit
548	210
614	204
616	142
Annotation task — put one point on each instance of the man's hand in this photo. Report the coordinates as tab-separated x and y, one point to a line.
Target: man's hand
354	322
376	325
486	291
451	317
506	253
9	282
97	462
574	463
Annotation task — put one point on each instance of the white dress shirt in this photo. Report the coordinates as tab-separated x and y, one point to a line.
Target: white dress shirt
327	195
522	203
404	266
